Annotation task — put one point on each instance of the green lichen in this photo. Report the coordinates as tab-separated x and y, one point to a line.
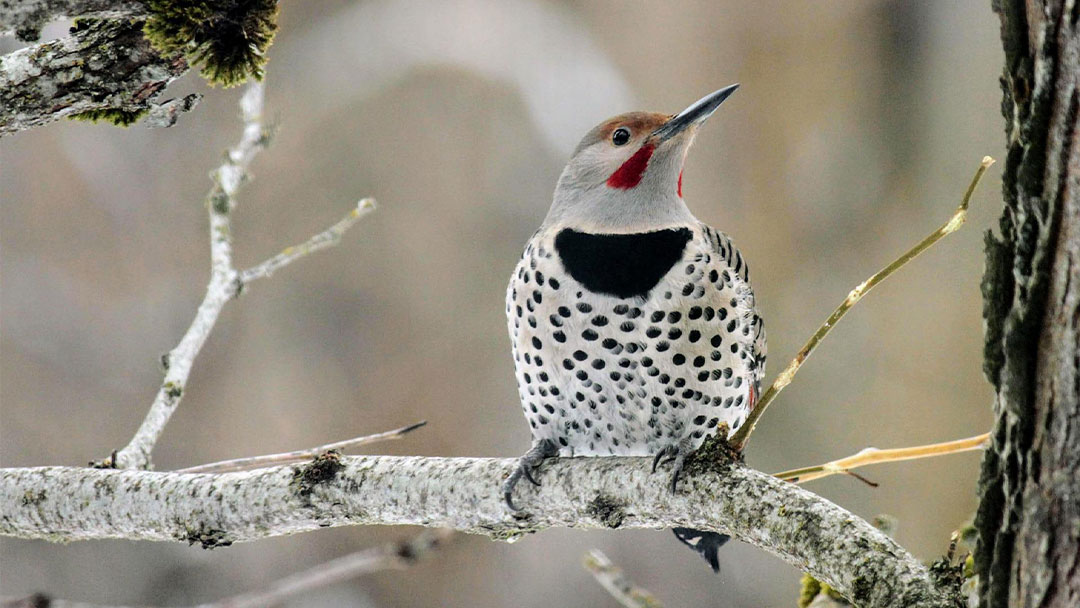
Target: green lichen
116	116
860	590
507	535
810	588
32	499
227	39
173	390
948	575
219	202
208	538
715	454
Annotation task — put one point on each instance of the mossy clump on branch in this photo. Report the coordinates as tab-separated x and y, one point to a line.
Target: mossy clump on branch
228	39
810	588
116	116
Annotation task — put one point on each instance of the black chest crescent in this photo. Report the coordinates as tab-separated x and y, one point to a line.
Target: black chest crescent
621	265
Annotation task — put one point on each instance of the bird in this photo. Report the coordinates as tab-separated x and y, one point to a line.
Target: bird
633	325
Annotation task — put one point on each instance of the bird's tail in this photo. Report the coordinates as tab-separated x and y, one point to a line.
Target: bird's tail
706	544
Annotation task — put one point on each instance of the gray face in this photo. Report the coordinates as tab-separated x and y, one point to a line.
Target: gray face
623	179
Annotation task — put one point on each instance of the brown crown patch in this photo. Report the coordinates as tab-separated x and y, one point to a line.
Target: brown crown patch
637	122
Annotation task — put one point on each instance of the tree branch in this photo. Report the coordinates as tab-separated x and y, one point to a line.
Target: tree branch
222	287
807	531
25	18
102	65
225	281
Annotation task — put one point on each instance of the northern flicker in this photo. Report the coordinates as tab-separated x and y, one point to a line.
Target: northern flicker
633	324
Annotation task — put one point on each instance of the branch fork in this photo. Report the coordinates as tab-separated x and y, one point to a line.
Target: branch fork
226	282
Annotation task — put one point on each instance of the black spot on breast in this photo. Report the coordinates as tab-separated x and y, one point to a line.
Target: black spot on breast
621	265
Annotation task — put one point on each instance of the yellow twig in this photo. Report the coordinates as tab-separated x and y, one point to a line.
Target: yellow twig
876	456
740	438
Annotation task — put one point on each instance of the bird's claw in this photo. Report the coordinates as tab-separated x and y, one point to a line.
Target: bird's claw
675	454
669	452
540	451
527	472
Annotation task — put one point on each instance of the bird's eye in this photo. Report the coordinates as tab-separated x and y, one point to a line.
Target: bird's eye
620	136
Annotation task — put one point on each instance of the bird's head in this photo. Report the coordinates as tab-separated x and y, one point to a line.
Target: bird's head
626	174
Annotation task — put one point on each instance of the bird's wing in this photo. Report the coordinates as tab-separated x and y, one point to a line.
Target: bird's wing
727	258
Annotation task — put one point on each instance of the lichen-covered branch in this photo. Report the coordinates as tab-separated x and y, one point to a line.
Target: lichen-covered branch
25	18
807	531
103	65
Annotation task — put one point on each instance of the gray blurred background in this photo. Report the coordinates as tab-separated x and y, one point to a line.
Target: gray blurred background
857	128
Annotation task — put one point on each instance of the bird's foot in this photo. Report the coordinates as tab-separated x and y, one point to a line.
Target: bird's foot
676	455
540	451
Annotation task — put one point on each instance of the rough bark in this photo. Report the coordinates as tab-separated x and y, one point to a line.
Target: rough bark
1029	513
102	65
25	18
813	534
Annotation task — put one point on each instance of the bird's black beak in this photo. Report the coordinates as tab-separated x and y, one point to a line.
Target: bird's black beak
696	114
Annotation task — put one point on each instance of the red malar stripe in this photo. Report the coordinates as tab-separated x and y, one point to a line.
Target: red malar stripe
629	174
679	190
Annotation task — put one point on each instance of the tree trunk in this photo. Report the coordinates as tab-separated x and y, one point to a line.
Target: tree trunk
1029	512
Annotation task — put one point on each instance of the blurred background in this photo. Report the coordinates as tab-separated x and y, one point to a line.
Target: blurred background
856	130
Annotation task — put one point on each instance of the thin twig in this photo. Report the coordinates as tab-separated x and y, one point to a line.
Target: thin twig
612	578
221	288
225	281
393	556
327	238
876	456
740	438
251	462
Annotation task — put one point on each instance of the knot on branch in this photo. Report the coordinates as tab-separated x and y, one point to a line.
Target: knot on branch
716	454
949	577
209	538
607	510
321	469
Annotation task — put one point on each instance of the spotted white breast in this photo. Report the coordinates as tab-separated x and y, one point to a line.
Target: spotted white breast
631	344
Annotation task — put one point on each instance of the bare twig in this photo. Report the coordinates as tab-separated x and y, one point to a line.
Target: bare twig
393	556
225	281
251	462
222	287
876	456
327	238
612	578
742	436
806	530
